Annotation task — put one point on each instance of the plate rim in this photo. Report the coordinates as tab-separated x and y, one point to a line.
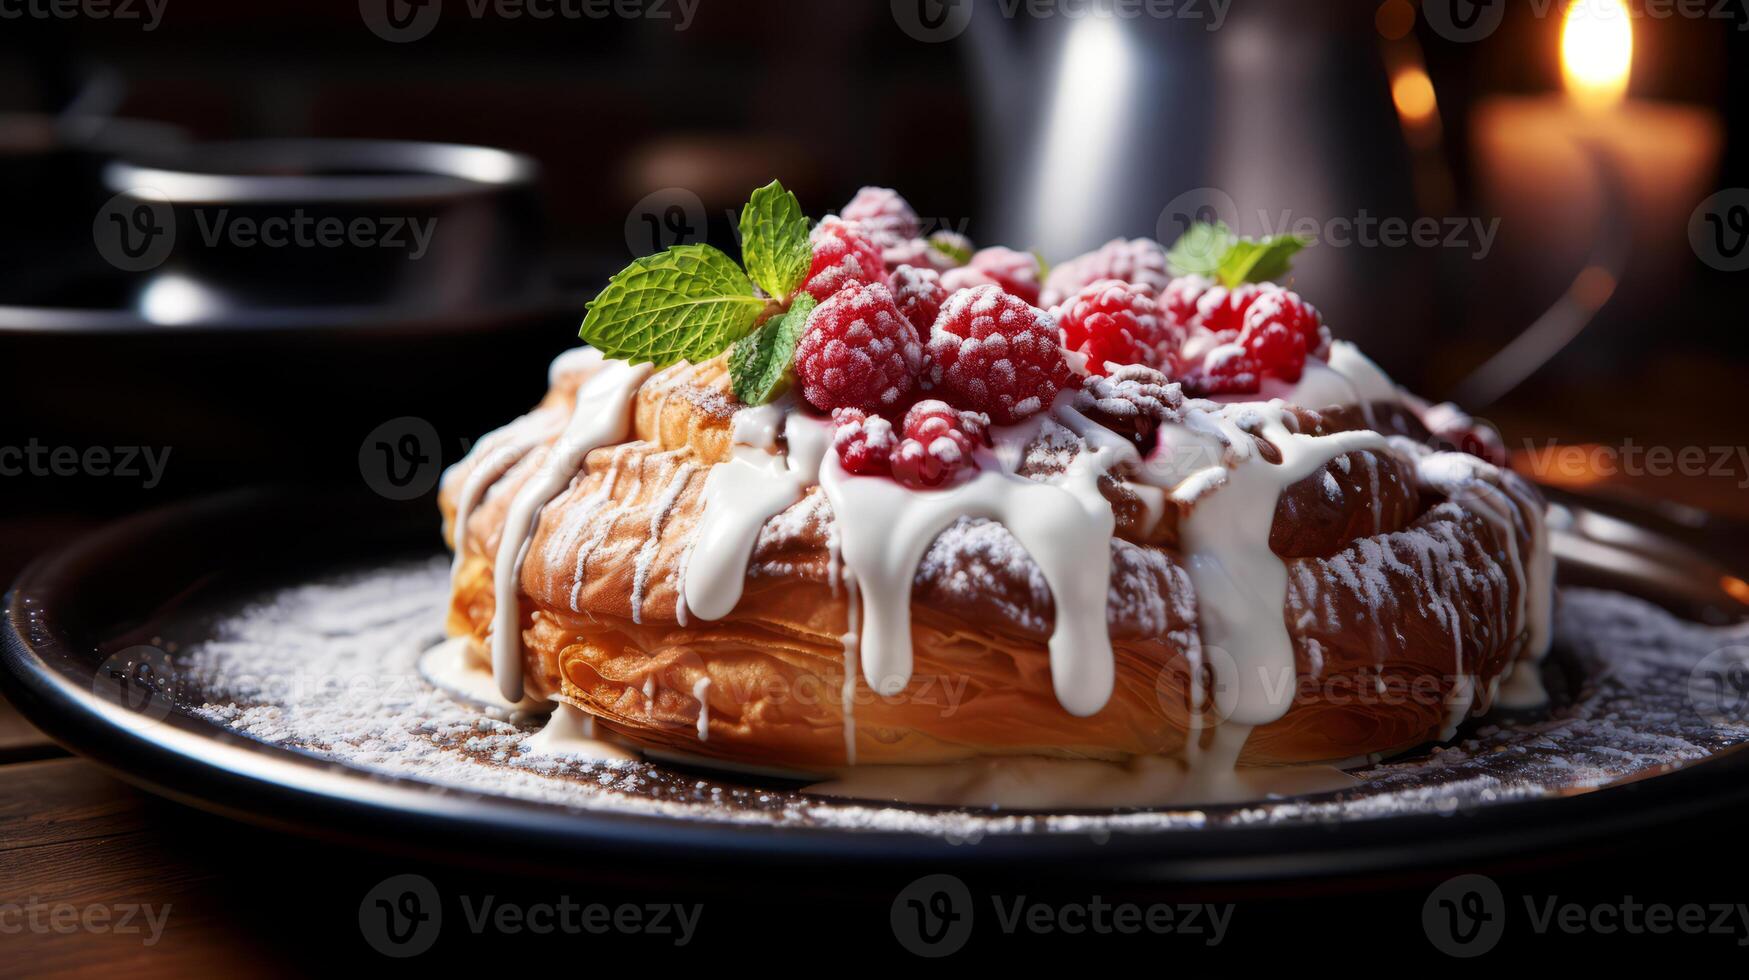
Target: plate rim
202	764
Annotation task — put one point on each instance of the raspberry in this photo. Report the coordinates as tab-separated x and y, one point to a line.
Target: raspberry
1286	308
858	351
1227	370
1139	261
1016	272
994	353
1222	309
1274	348
938	443
1115	322
1178	300
843	256
863	442
919	295
885	217
923	253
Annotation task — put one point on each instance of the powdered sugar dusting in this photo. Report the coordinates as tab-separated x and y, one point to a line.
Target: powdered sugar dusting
329	670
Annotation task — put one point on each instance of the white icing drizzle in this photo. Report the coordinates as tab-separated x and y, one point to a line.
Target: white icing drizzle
701	690
1240	583
652	544
602	416
756	484
886	530
491	458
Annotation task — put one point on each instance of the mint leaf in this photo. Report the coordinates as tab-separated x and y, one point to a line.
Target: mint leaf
761	364
1259	261
774	240
1199	251
949	245
688	303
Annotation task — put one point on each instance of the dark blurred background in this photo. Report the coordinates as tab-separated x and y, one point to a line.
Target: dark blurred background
1566	226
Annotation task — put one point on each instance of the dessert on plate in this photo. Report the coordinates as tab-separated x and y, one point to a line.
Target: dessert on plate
873	498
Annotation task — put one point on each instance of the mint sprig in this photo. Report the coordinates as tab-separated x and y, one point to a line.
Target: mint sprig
685	304
1213	250
761	364
774	241
950	245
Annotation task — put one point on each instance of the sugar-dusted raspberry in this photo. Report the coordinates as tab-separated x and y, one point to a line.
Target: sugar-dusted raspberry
994	353
938	444
1178	300
1285	308
1274	348
1015	273
885	217
858	351
864	443
843	256
1118	323
935	252
1141	261
1221	309
1227	370
919	295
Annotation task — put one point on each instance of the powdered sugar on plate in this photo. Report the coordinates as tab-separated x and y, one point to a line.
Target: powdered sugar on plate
329	669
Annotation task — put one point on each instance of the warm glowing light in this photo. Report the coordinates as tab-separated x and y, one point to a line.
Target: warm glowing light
1736	588
1597	51
1412	91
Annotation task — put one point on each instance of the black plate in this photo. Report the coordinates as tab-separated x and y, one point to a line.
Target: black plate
122	586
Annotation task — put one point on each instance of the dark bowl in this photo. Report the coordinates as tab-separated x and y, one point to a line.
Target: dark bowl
220	229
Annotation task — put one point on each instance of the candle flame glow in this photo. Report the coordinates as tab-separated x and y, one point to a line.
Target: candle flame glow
1597	51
